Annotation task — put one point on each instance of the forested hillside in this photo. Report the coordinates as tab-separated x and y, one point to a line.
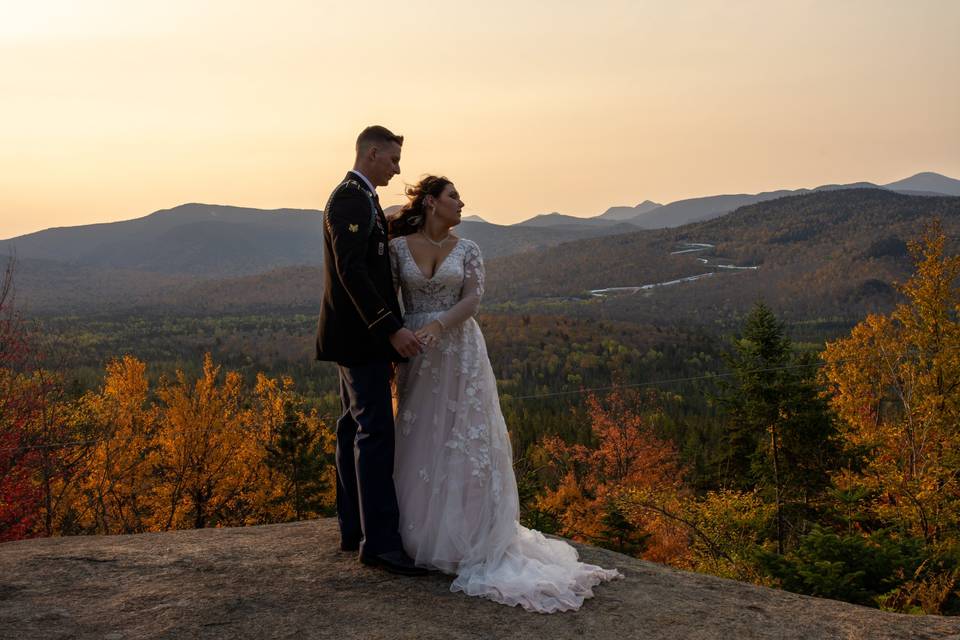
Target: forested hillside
832	254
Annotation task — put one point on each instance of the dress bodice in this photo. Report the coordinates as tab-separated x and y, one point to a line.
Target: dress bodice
454	290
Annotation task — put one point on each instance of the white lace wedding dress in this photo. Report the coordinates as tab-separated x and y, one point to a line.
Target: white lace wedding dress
454	475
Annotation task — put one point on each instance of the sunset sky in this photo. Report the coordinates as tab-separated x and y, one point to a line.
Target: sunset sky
111	110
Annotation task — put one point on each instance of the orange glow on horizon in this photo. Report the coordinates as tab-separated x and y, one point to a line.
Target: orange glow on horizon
111	110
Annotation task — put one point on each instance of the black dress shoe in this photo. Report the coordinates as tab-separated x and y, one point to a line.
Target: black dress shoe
395	562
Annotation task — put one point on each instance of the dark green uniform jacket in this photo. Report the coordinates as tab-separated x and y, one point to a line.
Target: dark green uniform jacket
360	309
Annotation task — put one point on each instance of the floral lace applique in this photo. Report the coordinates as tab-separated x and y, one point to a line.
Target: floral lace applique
407	419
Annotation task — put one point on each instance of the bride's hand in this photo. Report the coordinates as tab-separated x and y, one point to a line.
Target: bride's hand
429	335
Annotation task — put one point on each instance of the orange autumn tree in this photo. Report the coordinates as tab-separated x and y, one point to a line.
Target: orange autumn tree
895	382
616	492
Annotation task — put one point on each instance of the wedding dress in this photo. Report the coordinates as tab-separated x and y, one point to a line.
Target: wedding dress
459	508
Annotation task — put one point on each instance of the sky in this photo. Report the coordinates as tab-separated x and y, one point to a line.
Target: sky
110	110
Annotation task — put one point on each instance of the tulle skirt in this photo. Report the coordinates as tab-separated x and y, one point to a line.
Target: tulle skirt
459	509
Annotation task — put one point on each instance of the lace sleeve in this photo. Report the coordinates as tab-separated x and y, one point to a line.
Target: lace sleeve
393	249
394	264
472	291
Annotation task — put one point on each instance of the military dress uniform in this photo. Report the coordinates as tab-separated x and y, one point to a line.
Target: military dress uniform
359	313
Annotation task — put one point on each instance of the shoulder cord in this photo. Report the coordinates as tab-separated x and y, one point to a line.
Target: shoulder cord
355	185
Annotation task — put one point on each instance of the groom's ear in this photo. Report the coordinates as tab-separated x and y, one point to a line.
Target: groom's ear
367	153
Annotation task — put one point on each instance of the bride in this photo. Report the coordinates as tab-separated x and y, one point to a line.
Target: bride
456	488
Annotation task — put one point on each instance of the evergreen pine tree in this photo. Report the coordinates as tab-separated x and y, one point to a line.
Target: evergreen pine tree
619	533
780	434
298	454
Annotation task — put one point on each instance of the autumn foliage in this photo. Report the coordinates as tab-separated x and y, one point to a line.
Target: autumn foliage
184	454
19	460
626	491
835	476
844	487
896	384
619	491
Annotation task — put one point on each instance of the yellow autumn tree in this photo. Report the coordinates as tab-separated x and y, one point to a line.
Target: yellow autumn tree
117	490
210	452
297	478
727	527
895	382
266	418
64	426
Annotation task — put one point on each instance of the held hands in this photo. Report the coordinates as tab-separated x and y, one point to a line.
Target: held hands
409	344
406	343
429	335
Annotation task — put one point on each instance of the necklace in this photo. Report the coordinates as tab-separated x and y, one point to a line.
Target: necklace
436	243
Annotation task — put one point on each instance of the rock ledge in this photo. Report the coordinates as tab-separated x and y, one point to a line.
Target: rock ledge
291	581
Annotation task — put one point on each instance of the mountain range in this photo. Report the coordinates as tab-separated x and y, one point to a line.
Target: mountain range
831	253
217	257
218	241
650	215
194	239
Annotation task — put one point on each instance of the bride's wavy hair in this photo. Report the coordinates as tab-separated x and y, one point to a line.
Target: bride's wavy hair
413	215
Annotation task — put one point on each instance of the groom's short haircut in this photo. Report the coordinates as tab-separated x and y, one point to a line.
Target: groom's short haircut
376	135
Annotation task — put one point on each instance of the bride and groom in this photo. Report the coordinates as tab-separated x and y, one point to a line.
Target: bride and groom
433	487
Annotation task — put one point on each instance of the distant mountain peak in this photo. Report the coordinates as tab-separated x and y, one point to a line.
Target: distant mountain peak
561	219
218	210
927	182
189	206
851	185
623	213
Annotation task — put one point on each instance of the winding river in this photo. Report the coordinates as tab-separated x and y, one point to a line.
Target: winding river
687	247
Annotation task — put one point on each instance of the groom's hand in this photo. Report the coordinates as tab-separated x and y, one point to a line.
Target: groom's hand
405	342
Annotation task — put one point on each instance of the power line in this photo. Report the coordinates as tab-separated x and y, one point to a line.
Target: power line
652	383
709	376
77	443
649	383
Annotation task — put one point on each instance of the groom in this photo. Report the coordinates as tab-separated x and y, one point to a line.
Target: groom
360	329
